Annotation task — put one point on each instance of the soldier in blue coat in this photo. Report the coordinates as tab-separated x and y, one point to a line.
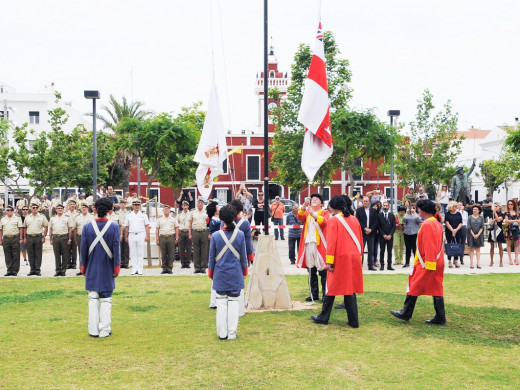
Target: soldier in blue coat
227	267
100	262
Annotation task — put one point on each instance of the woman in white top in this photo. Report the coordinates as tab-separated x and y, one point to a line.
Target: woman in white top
464	228
443	197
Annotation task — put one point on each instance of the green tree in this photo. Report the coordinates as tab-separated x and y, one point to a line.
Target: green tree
427	155
179	167
488	173
164	144
359	135
111	116
288	137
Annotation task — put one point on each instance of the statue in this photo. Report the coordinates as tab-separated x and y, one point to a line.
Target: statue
460	186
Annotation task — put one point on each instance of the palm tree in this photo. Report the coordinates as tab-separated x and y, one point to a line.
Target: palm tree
111	116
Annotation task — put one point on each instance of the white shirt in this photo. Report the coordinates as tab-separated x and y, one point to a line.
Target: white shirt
367	212
464	215
136	223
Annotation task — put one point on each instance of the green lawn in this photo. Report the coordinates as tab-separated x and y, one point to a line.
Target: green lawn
164	337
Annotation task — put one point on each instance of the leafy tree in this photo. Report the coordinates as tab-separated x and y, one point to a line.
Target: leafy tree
360	136
55	158
179	167
489	173
111	116
288	139
427	155
164	144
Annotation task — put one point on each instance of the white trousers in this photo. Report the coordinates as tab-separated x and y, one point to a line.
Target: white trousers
136	247
227	317
99	315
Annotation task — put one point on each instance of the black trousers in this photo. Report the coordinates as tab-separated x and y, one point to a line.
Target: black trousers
410	243
315	291
389	246
368	242
294	242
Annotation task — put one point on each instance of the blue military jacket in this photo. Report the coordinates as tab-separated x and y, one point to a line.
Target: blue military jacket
99	274
228	272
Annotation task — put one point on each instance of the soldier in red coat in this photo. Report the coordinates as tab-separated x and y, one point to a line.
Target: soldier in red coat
344	254
313	244
428	271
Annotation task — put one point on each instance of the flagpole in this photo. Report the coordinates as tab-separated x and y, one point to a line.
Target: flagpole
266	126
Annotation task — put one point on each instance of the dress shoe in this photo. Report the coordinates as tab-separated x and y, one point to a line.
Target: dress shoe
390	269
352	326
14	274
309	299
38	273
57	274
63	274
164	272
283	239
169	272
31	273
340	306
372	269
319	320
212	307
79	274
71	267
406	265
8	274
382	269
293	262
124	266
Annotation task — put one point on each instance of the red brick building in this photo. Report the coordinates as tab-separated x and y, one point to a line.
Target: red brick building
248	166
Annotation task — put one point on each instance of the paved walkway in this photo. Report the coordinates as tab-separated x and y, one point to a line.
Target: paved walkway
289	269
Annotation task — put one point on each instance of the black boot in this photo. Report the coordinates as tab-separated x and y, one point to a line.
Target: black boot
406	312
341	306
440	314
352	313
323	317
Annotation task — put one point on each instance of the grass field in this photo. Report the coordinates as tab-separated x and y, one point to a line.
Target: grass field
164	337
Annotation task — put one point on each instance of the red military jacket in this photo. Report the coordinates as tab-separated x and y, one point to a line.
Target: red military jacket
345	255
323	217
428	275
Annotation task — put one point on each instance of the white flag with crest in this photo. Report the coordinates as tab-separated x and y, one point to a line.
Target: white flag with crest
212	150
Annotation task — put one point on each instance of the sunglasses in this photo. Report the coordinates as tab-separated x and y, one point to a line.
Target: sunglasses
25	209
34	207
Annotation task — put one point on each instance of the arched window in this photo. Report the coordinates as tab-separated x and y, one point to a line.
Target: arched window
271	74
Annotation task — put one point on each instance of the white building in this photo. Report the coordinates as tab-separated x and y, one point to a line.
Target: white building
32	108
484	145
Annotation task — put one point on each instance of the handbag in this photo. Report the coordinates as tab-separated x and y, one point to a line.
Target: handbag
453	248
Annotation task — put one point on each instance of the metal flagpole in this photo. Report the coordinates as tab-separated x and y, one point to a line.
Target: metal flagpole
266	127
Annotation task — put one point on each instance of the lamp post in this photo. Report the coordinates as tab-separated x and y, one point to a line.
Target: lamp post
393	201
94	95
6	119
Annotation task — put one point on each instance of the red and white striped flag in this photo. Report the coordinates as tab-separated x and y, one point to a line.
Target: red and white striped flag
314	113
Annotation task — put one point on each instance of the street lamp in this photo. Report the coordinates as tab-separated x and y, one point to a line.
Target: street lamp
94	95
393	114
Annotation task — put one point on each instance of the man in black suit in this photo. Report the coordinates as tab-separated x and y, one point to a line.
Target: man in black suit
367	217
386	223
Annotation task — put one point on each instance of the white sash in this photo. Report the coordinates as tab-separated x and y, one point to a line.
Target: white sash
317	226
228	245
349	230
239	223
99	238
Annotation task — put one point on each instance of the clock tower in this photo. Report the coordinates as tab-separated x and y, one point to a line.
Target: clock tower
276	79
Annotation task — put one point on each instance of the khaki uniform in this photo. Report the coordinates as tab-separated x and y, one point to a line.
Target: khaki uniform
199	233
78	223
74	248
54	203
167	227
46	208
35	226
20	203
125	250
10	228
59	232
184	238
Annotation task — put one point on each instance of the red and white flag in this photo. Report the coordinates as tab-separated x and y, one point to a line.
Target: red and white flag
314	113
212	150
